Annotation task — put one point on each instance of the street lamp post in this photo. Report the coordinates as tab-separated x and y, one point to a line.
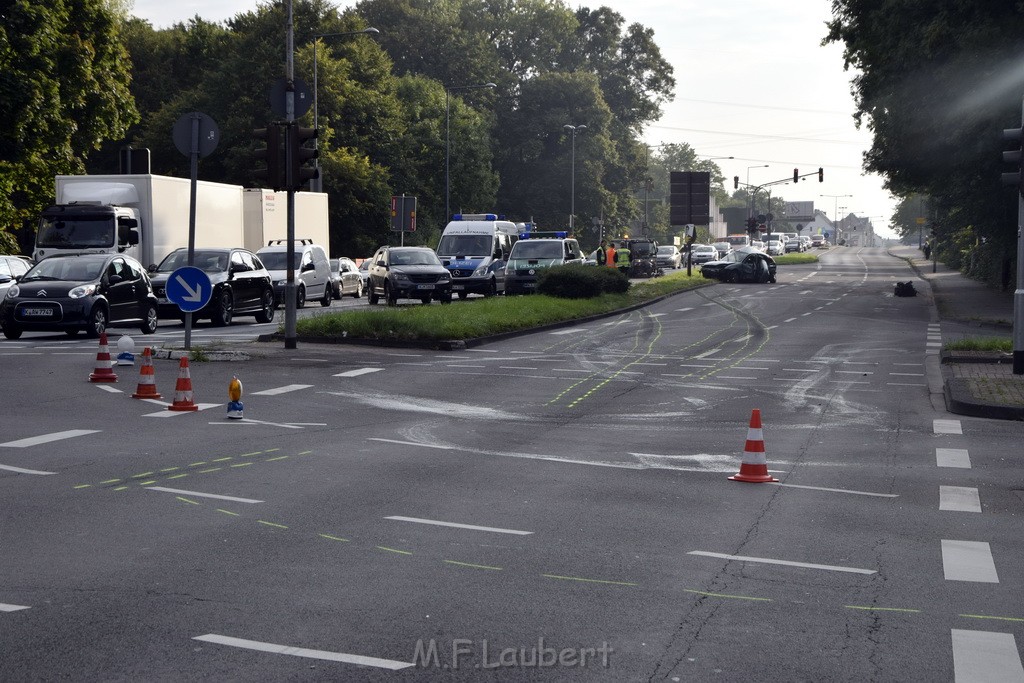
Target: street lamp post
835	209
752	207
572	174
448	140
317	184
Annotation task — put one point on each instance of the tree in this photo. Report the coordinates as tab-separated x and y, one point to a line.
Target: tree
65	76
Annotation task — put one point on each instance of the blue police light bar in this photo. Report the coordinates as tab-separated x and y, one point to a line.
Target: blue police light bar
476	217
559	234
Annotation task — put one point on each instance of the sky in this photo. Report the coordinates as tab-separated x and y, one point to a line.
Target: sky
753	82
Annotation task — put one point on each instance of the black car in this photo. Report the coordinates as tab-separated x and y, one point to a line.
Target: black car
241	285
746	264
408	273
80	293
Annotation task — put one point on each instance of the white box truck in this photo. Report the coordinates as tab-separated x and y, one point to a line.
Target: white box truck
143	215
266	218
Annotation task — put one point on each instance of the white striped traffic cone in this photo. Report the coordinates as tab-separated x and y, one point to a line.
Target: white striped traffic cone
103	372
183	389
754	467
147	377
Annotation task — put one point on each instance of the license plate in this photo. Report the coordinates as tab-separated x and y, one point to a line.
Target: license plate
424	286
35	312
458	288
529	285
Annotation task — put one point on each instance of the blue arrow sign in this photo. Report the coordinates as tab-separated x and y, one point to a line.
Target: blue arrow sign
190	288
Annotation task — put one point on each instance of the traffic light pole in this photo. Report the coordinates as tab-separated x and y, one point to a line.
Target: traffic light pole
1015	136
289	287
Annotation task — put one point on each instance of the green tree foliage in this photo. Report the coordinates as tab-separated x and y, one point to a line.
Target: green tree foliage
937	82
65	74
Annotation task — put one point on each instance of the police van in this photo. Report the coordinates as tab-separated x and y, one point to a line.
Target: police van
534	252
475	248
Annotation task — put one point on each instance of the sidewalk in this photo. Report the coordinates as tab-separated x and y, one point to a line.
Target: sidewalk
975	383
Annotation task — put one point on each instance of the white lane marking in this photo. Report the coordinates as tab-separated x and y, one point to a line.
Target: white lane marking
787	563
856	493
175	413
968	561
12	608
708	353
981	656
197	494
932	344
21	470
572	331
525	456
807	291
684	310
947	427
47	438
286	425
735	377
656	315
806	314
281	390
304	652
740	339
952	457
474	366
904	384
789	320
456	525
413	443
356	373
959	499
109	389
694	365
907	374
854	372
506	367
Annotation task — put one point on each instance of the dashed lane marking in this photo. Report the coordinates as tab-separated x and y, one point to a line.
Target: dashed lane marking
456	525
952	457
281	390
274	648
985	656
48	438
947	427
786	563
22	470
968	561
203	495
959	499
175	413
12	608
357	373
823	488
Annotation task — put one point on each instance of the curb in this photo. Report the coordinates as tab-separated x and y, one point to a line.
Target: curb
949	357
973	407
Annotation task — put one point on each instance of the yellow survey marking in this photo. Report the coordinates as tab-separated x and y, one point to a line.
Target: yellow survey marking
246	455
140	476
725	595
110	481
870	608
147	483
228	512
179	476
579	578
333	538
474	566
985	616
186	500
280	457
197	464
121	488
83	486
211	469
392	550
305	452
279	526
242	464
170	469
271	450
230	457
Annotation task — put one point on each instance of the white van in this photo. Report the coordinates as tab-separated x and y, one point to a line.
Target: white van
475	248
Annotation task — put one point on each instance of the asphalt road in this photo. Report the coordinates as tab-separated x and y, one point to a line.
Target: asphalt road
503	512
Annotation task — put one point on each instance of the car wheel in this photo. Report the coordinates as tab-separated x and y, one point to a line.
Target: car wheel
492	288
300	297
446	299
325	301
372	295
70	333
224	310
389	296
358	294
266	313
425	299
149	322
97	322
463	295
12	332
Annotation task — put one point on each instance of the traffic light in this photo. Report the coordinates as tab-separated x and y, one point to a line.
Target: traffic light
796	175
299	175
735	182
751	223
821	175
1014	137
271	155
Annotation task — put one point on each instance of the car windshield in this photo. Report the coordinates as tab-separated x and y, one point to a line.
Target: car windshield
465	245
703	247
527	249
72	269
642	248
665	250
207	261
278	260
420	257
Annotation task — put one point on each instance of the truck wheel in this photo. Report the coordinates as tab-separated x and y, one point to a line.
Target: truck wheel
224	310
12	332
325	301
300	297
97	322
149	323
266	313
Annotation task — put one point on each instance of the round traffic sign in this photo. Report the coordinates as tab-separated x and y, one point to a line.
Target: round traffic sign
189	288
202	139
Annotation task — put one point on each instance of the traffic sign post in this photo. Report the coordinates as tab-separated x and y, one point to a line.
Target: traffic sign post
689	197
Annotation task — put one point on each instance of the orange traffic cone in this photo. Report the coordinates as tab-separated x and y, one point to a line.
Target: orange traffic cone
147	377
183	389
103	371
754	467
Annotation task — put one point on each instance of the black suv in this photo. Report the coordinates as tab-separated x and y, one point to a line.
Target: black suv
241	285
408	273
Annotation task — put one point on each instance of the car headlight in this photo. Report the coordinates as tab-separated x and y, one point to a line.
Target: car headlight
400	276
81	291
480	271
281	283
444	277
13	291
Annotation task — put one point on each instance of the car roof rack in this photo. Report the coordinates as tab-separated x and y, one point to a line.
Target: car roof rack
303	240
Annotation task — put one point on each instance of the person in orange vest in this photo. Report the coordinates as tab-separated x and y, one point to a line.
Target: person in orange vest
610	255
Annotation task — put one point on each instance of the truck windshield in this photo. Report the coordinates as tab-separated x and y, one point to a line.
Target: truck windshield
525	249
465	245
70	233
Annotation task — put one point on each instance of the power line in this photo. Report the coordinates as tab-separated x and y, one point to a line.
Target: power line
763	106
753	135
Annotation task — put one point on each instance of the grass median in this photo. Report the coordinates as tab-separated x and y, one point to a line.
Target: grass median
477	317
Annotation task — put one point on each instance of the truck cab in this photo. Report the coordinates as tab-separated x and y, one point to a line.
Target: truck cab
475	249
86	228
